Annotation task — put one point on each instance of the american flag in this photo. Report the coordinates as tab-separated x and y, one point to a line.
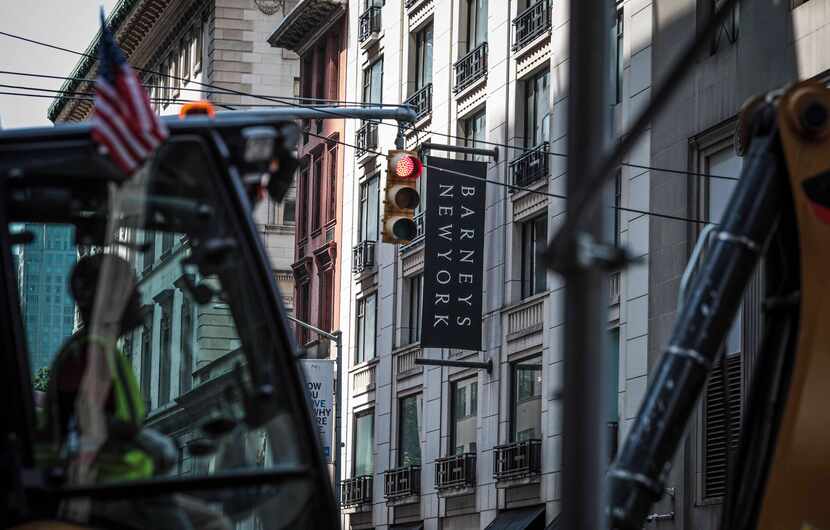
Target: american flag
123	121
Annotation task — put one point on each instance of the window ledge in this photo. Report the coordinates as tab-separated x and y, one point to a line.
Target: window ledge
365	364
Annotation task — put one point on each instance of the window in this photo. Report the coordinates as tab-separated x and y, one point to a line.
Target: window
537	114
727	33
288	211
321	72
723	398
173	70
368	212
534	235
423	57
303	203
318	194
476	23
409	433
464	417
303	310
197	49
415	307
619	57
150	250
617	208
723	163
612	366
366	315
297	89
165	340
331	210
373	82
146	356
334	69
526	420
184	60
166	243
474	134
364	443
186	346
324	307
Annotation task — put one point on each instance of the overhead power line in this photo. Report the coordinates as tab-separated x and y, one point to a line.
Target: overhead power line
281	99
204	91
521	188
466	175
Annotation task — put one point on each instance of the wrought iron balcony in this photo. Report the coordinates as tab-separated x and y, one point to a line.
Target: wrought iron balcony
366	138
419	233
531	23
421	101
455	472
368	23
531	166
363	256
471	67
517	460
402	482
356	491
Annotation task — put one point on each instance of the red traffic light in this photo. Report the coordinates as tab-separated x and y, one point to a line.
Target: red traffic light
406	166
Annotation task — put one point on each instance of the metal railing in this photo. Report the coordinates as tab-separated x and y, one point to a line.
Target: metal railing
531	23
356	491
419	233
422	101
456	471
517	460
366	138
402	482
363	256
471	67
531	166
368	23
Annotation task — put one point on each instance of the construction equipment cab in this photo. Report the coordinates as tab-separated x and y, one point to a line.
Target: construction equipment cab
147	373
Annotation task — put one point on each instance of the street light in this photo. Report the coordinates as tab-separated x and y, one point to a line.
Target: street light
337	338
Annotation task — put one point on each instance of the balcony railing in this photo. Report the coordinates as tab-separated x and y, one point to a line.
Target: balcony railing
517	460
419	233
455	472
531	23
421	101
531	166
471	67
356	491
366	138
368	23
363	256
402	482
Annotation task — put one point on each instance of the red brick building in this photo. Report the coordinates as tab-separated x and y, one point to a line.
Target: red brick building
316	31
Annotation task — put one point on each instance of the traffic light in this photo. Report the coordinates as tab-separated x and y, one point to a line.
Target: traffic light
401	196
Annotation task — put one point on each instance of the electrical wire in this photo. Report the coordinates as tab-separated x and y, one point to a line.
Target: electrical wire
199	90
236	92
458	173
281	99
520	188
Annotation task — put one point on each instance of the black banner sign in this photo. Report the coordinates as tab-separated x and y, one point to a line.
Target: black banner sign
453	254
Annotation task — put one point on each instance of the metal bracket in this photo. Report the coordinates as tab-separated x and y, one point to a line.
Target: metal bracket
487	365
428	146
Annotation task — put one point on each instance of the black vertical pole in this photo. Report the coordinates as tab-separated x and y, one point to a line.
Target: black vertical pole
584	440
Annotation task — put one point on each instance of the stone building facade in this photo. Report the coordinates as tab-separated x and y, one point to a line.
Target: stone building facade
316	31
184	353
439	447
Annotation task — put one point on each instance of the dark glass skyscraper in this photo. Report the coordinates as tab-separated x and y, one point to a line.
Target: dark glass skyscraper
43	272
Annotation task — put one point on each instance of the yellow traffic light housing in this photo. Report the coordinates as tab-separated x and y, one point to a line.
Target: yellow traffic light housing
401	196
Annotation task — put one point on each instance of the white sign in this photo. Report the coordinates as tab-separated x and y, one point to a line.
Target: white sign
319	386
